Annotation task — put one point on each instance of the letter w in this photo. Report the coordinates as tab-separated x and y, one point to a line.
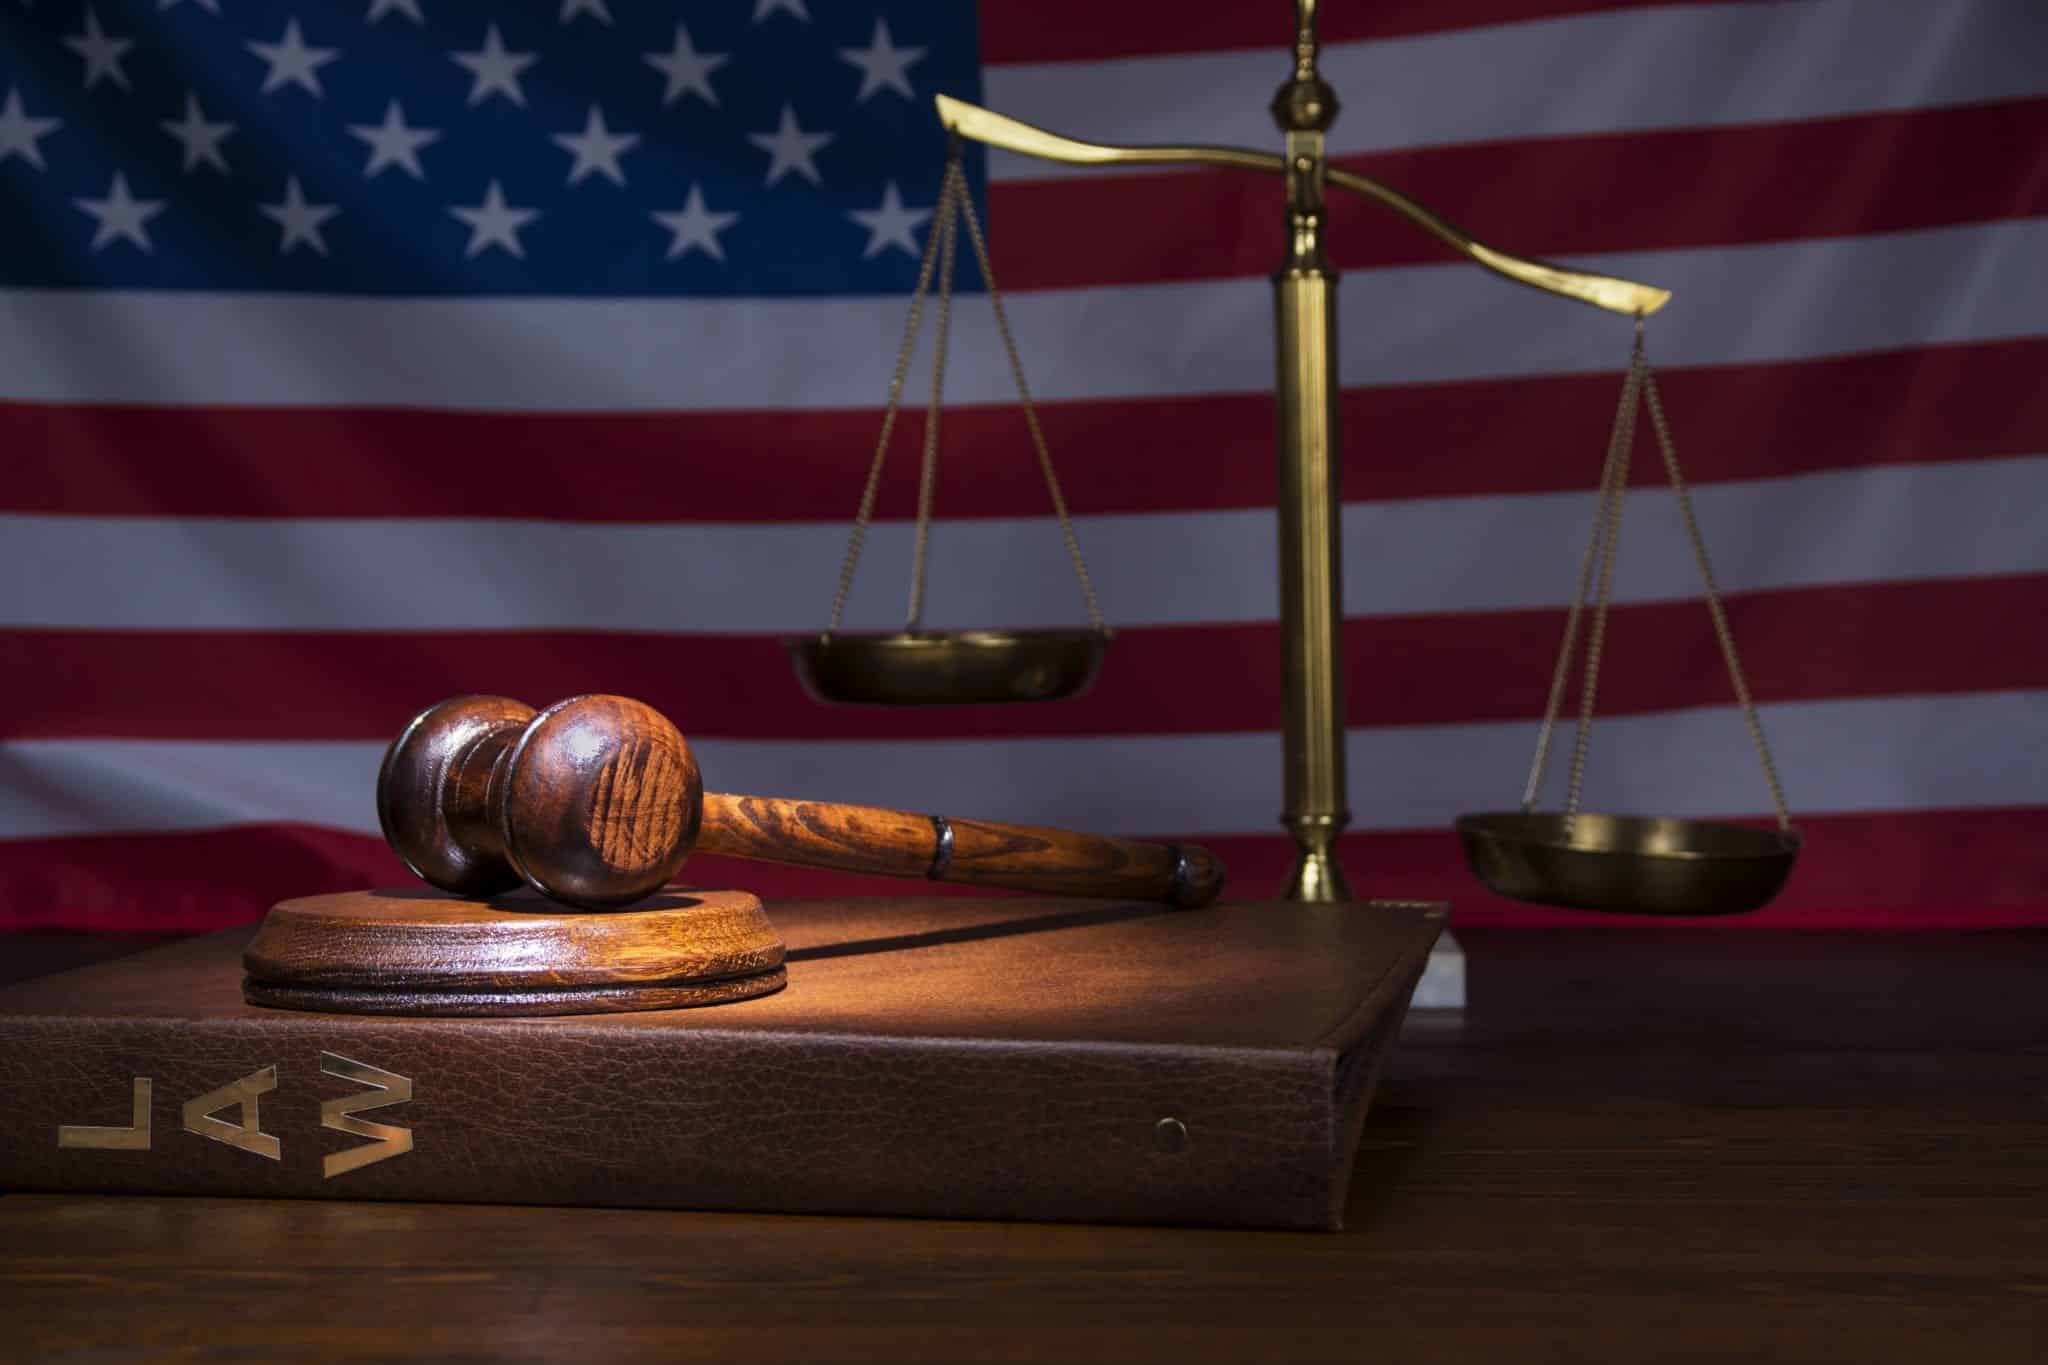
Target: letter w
338	1114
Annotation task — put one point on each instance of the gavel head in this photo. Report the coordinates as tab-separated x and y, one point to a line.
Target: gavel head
594	802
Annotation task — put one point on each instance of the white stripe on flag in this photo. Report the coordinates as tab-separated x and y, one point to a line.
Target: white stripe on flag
1896	753
1661	66
1888	523
1407	325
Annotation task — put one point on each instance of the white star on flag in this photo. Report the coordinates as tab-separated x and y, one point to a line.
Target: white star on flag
790	148
891	224
597	149
496	70
883	66
695	227
291	62
572	8
494	223
394	144
409	8
300	220
18	132
120	215
200	139
102	53
764	8
210	6
688	70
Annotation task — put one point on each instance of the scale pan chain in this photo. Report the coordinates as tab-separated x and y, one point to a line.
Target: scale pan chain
955	204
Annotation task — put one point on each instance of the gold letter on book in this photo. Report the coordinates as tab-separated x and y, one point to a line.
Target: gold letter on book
248	1134
131	1139
391	1140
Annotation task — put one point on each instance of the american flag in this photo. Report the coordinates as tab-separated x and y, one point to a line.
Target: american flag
355	355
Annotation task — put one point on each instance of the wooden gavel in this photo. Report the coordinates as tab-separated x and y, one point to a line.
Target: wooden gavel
597	801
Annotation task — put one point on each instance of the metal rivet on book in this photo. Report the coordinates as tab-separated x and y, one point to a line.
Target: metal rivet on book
1630	864
1170	1135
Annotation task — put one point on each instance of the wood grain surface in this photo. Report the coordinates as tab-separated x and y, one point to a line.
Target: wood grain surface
433	793
412	950
601	799
1657	1146
893	843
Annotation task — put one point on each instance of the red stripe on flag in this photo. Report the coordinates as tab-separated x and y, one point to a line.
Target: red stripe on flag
1541	434
1925	870
1015	31
191	882
1688	187
1864	640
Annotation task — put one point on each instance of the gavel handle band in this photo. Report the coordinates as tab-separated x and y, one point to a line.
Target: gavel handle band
970	852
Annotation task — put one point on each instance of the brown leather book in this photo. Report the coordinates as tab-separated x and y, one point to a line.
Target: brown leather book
954	1058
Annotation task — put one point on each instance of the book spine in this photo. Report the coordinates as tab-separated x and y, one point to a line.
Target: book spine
562	1112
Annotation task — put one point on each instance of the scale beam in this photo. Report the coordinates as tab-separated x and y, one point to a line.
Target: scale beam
977	124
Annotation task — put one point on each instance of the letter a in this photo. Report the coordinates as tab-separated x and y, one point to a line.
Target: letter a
248	1134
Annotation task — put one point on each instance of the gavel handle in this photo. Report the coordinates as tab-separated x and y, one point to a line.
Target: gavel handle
975	852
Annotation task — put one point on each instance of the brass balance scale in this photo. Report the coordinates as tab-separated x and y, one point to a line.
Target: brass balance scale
1570	858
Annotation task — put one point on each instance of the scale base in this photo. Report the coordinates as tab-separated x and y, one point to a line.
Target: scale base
1317	879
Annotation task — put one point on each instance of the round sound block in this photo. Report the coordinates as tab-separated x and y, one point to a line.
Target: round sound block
423	952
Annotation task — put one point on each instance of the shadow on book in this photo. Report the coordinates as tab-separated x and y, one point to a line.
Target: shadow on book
975	933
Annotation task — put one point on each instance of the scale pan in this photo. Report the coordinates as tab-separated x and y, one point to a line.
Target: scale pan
942	668
1628	865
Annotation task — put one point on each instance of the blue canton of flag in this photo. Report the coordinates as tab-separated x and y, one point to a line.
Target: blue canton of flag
591	147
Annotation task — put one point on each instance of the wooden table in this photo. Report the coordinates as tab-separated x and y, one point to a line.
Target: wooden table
1635	1146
